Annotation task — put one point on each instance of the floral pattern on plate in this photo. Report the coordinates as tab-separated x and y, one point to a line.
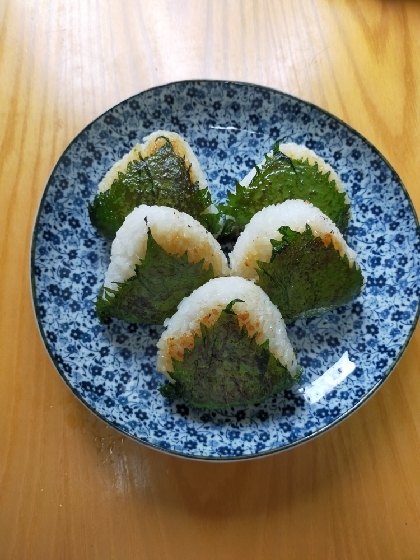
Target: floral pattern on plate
230	126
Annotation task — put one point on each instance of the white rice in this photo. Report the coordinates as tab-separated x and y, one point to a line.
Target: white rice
150	144
254	242
301	153
206	303
176	232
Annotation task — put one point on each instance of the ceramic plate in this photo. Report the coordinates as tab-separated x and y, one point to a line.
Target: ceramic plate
346	354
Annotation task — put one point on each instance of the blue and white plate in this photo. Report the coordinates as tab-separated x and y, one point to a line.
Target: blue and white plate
346	354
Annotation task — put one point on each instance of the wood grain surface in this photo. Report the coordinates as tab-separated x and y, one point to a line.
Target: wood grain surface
70	486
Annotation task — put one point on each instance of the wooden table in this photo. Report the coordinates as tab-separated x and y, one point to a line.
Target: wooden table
70	486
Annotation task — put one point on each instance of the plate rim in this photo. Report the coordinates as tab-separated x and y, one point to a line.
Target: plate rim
185	455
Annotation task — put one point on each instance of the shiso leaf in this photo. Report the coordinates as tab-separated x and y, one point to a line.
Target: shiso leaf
281	178
228	308
227	367
160	282
212	222
305	277
161	179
